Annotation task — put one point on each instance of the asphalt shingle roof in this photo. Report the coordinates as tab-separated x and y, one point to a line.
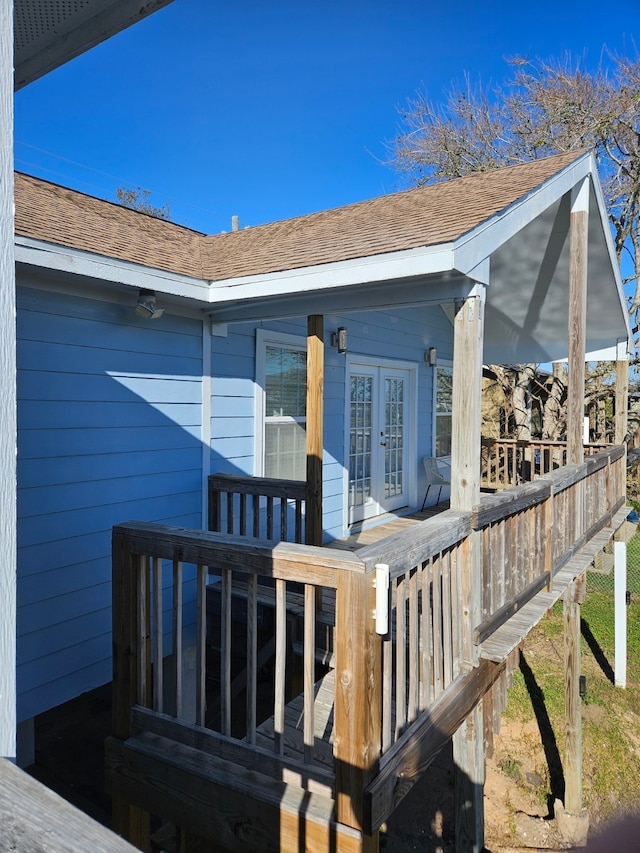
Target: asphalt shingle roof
425	216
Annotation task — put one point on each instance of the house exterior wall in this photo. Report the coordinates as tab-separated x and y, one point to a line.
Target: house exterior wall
402	335
109	429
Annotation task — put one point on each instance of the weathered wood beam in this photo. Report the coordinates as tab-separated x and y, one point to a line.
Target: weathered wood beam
578	248
358	705
622	393
468	741
241	810
286	560
407	760
315	440
7	396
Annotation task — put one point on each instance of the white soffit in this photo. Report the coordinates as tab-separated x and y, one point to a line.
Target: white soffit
48	33
527	301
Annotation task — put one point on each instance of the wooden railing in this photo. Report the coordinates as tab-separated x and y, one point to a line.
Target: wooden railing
531	531
319	698
263	507
509	462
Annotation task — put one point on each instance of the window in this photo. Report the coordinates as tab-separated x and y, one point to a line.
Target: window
283	382
444	406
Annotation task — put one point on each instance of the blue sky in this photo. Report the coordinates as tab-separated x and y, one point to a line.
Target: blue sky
272	110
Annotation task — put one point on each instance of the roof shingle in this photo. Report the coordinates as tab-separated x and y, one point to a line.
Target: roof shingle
426	216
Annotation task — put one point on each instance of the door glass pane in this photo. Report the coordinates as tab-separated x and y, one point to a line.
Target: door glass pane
360	440
394	396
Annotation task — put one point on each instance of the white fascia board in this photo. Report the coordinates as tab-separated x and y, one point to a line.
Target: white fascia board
37	253
616	352
601	212
389	266
472	248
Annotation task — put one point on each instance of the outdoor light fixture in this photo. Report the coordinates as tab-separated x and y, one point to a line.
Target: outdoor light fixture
339	339
583	686
146	306
431	356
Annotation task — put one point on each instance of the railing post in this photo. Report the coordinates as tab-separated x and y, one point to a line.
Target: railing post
129	821
468	741
357	700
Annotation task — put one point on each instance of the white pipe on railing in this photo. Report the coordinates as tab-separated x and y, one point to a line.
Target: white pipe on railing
381	584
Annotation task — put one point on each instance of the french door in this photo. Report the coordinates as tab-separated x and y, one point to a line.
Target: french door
379	439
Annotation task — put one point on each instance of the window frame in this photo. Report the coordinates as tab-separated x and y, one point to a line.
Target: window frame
264	339
447	364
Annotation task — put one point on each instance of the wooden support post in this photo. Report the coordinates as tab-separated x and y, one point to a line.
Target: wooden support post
468	741
132	823
578	246
357	701
620	605
622	393
7	397
572	701
315	396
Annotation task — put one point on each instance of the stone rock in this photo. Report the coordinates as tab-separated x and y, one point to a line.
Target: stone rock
572	829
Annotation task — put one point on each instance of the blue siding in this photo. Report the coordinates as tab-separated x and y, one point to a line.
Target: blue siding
109	412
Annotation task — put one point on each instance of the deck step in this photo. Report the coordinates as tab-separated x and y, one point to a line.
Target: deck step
240	809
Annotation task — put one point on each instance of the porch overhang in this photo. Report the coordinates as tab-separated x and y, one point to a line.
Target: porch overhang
522	254
48	33
403	251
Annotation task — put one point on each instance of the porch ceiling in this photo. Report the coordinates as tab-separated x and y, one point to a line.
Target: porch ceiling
48	33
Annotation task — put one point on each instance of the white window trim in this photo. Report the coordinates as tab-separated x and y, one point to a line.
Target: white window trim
442	362
265	338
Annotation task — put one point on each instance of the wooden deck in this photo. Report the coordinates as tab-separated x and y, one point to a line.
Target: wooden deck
311	704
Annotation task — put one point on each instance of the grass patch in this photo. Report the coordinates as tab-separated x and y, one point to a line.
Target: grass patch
611	716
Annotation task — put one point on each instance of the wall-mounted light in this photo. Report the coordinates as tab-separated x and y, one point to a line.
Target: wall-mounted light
431	356
146	306
339	339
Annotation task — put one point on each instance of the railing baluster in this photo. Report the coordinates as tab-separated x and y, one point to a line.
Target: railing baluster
284	506
230	497
401	657
225	651
426	651
269	517
156	621
387	677
447	614
252	655
176	629
201	644
436	625
243	515
280	666
255	506
309	662
414	673
142	644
